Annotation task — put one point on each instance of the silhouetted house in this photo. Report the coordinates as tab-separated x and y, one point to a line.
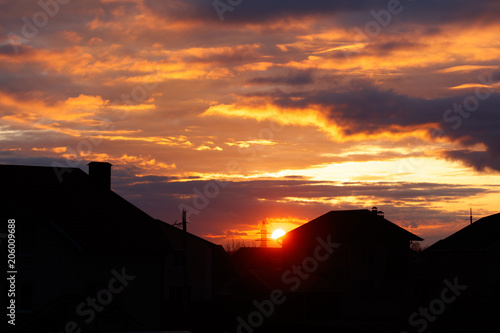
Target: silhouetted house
340	269
78	240
472	256
356	263
198	279
259	269
258	258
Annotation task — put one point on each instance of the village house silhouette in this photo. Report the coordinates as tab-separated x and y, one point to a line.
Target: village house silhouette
90	261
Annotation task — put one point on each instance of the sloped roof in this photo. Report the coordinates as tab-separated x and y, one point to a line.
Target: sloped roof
360	224
175	233
481	234
96	219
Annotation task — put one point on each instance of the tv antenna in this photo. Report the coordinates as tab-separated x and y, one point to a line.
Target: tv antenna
470	216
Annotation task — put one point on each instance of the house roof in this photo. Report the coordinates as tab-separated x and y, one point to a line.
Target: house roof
90	217
479	235
352	225
175	235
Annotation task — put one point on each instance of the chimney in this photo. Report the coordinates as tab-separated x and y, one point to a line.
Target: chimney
184	221
377	212
100	173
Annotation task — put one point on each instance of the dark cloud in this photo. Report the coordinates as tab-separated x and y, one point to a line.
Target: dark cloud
363	108
391	46
73	15
235	56
30	78
349	13
479	126
17	158
293	78
251	11
239	204
14	49
479	160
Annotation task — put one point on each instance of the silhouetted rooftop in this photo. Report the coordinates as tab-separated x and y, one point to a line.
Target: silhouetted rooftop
481	234
360	224
92	218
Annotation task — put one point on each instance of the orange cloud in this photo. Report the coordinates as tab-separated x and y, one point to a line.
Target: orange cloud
146	162
57	150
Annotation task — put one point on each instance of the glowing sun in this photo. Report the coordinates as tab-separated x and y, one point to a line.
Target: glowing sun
277	233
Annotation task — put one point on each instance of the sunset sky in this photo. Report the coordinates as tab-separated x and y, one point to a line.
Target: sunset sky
242	111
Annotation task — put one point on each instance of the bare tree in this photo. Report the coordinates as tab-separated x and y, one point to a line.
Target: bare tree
417	246
234	245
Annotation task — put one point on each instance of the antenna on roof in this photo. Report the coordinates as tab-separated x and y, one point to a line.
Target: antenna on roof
177	224
182	224
470	215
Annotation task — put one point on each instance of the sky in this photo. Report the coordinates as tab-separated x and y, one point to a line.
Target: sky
247	111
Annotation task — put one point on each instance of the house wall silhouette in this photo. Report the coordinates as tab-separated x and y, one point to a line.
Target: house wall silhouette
344	266
73	232
366	275
472	256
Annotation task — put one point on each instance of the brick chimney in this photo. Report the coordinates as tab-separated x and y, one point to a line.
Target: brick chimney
100	173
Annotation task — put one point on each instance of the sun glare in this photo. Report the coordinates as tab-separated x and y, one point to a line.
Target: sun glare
277	233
